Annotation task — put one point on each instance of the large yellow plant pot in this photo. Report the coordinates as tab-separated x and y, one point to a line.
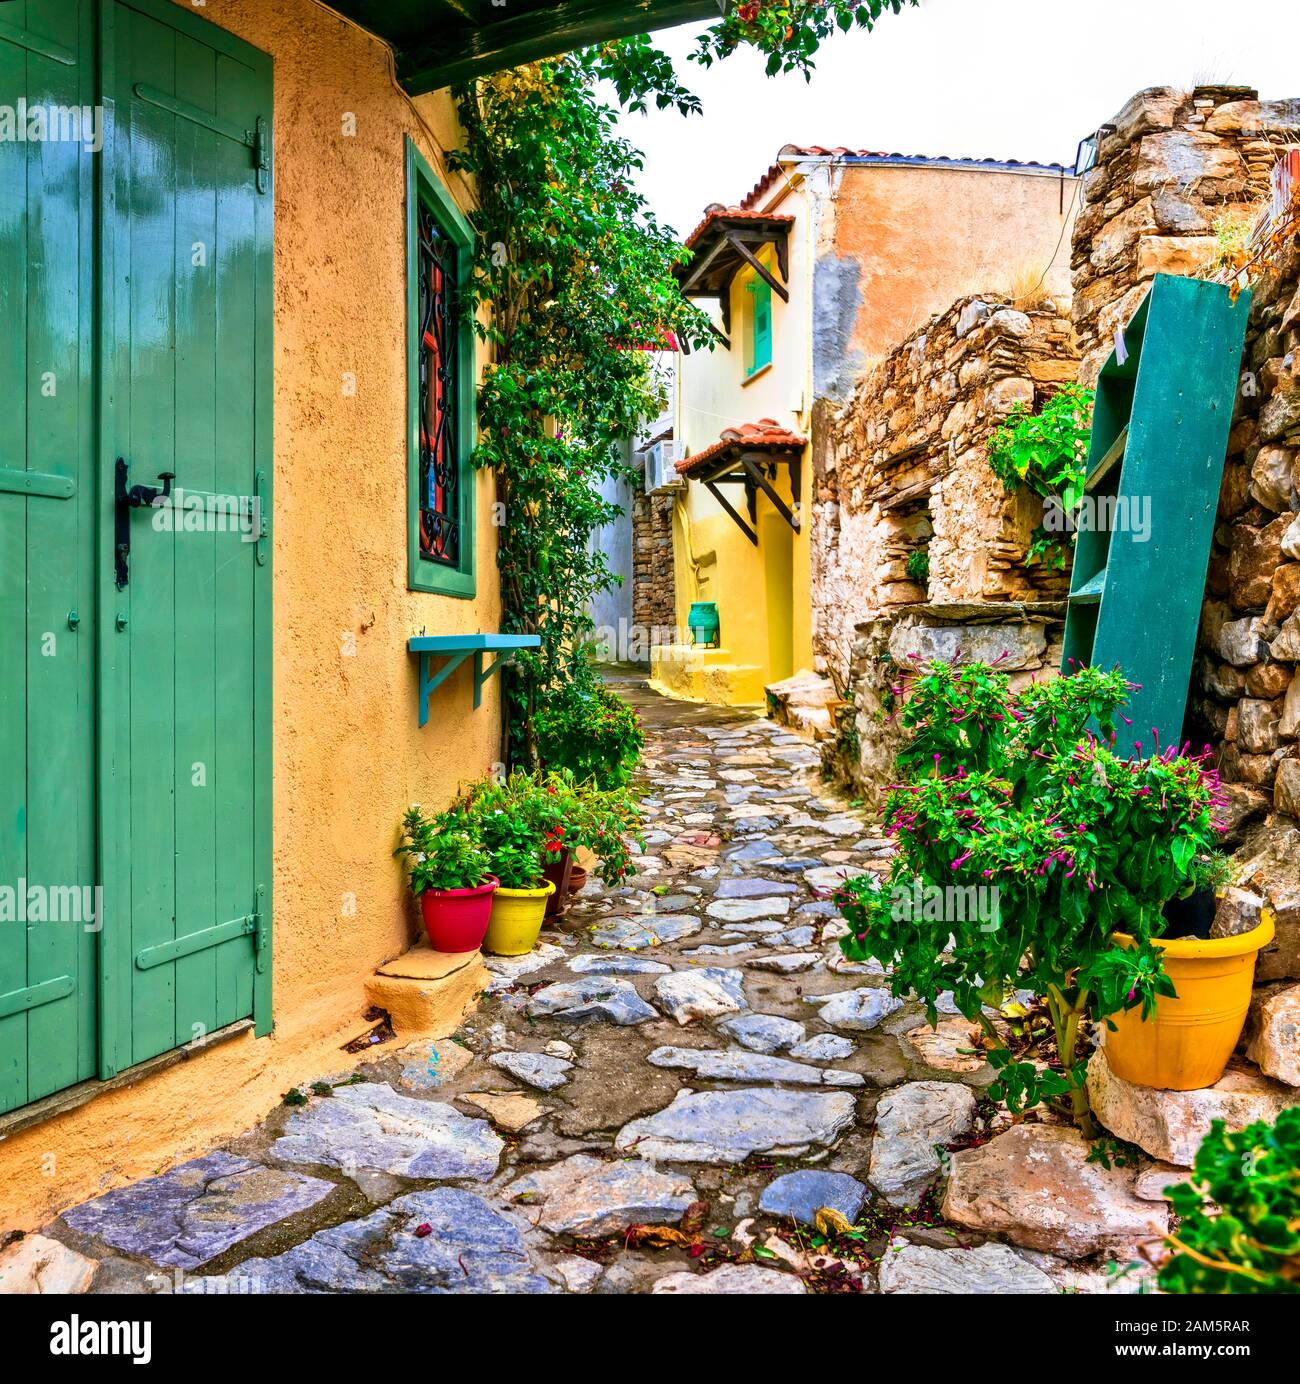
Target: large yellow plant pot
1187	1042
516	921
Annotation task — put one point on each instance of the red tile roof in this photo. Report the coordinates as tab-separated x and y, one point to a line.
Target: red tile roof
767	435
818	151
722	214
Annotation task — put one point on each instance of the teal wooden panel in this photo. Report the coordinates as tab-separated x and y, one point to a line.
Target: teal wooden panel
241	97
197	549
1164	415
48	1039
13	565
60	726
147	51
194	381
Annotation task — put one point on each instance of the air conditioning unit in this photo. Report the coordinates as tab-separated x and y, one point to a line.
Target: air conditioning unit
661	467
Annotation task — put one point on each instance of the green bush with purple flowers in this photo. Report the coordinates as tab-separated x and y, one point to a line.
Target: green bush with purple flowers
1014	793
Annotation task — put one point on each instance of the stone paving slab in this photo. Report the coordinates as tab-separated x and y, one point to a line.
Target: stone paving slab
373	1128
188	1216
469	1247
728	1126
587	1196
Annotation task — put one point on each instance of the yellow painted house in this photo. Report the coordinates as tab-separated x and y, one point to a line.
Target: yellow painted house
238	280
834	257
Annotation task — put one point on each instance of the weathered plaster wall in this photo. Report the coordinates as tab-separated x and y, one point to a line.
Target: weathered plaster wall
905	469
611	610
901	242
348	753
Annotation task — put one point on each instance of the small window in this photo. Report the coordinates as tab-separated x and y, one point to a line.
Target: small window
440	383
758	353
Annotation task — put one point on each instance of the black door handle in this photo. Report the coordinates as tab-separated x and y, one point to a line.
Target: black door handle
125	500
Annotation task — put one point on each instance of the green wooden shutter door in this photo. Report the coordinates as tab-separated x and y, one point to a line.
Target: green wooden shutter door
192	327
47	605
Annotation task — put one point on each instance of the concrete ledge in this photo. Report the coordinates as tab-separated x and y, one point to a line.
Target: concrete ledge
428	993
695	674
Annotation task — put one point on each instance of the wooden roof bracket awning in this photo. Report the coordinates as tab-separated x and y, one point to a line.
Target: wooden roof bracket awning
757	265
753	476
729	246
757	476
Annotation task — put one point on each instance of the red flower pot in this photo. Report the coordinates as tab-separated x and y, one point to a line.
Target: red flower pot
457	919
577	879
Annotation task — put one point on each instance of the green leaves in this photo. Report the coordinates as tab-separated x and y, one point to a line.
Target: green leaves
1123	978
593	734
442	852
1039	844
577	273
1021	1085
790	32
1048	452
1240	1216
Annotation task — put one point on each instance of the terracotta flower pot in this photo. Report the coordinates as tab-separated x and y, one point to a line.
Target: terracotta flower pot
456	920
559	870
577	880
1186	1044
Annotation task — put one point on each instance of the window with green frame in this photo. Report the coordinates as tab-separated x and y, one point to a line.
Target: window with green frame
440	372
758	327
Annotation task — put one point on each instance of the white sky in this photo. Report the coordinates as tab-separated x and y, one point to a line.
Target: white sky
1009	79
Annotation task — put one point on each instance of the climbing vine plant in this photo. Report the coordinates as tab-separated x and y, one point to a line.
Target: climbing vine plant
577	276
1048	452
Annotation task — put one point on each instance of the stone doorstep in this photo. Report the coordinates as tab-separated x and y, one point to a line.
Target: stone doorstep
428	992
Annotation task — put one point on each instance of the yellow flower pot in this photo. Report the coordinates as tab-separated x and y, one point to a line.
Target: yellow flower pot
517	916
1187	1042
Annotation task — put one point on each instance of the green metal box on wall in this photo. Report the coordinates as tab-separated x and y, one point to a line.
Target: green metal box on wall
1164	408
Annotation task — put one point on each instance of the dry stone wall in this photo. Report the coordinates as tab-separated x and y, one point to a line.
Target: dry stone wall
654	594
1177	171
1249	689
905	470
1176	166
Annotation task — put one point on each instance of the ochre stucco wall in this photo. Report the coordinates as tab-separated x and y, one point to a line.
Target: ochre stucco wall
348	754
922	237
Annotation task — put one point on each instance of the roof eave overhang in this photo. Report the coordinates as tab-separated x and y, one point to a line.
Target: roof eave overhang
728	245
721	464
450	46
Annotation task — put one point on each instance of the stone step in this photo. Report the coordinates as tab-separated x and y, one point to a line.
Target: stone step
688	673
428	993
